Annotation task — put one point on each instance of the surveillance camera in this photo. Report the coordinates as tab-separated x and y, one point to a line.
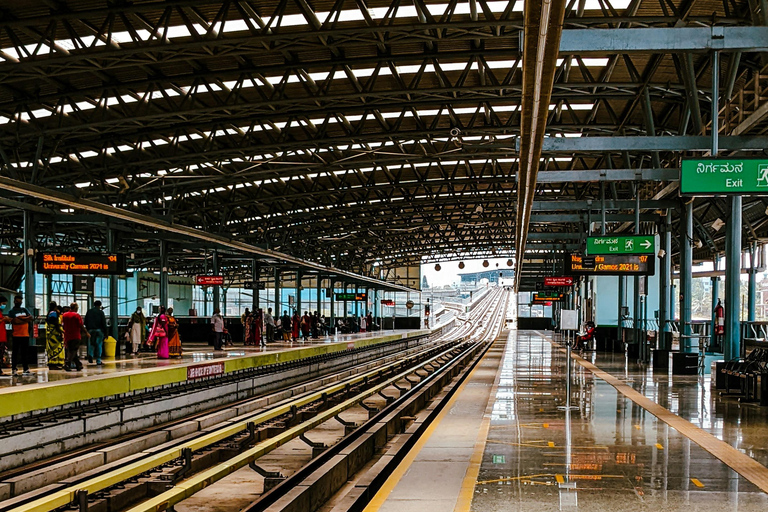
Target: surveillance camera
662	253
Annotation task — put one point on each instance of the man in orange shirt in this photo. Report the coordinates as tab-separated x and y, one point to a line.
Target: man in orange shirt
3	338
21	319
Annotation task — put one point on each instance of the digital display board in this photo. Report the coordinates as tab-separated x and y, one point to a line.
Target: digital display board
351	296
612	265
209	280
87	263
719	176
547	296
626	244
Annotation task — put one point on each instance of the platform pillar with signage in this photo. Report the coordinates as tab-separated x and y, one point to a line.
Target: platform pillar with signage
29	261
113	291
732	341
686	265
665	286
216	290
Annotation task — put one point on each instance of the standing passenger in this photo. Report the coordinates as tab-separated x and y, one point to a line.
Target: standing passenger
246	320
306	323
137	328
3	338
159	333
217	323
96	323
258	327
54	338
363	324
174	341
21	319
74	330
285	323
296	325
270	323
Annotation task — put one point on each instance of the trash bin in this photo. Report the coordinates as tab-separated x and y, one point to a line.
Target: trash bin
110	344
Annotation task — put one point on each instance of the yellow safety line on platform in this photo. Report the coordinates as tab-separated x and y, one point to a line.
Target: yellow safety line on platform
389	485
21	399
741	463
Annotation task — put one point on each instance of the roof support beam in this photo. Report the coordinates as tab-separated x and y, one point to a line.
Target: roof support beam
54	196
664	40
585	176
658	143
541	40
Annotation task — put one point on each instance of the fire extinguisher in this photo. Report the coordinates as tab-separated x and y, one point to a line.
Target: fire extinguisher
719	319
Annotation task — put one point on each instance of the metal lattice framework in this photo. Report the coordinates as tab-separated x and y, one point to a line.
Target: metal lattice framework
354	131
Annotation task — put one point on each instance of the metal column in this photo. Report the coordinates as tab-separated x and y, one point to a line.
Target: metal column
319	279
277	291
732	343
255	299
298	292
752	284
29	263
665	281
164	273
216	292
331	285
641	343
111	248
715	285
686	265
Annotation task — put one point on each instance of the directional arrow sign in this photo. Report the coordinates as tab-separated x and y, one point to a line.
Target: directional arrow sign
630	244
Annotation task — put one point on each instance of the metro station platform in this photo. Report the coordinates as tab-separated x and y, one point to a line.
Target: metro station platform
46	388
631	440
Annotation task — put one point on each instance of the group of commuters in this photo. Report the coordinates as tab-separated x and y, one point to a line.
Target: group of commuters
64	331
162	335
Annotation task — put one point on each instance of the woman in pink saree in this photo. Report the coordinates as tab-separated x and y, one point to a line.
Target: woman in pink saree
159	334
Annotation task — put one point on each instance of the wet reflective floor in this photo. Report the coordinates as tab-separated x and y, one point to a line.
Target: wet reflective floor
606	453
192	353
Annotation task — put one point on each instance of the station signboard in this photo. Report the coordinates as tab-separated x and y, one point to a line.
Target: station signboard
612	265
254	285
352	296
721	176
84	263
387	302
558	281
209	280
626	244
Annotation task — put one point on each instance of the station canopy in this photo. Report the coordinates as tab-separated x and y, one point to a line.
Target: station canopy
366	134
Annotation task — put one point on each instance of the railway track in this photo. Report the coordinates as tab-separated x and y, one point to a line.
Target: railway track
165	475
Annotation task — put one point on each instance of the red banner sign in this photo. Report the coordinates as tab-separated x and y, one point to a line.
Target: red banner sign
209	280
201	371
558	281
387	302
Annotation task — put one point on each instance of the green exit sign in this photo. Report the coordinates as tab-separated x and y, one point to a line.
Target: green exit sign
629	244
718	176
